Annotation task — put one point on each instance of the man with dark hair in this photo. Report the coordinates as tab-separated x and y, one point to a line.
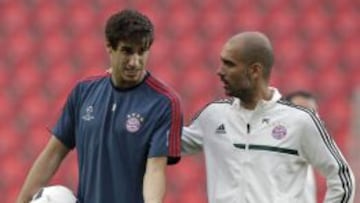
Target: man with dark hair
302	98
125	125
258	147
306	99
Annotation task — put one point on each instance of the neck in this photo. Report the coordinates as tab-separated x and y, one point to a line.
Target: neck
251	101
123	84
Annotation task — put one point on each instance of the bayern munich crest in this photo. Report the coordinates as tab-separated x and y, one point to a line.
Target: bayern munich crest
133	122
279	132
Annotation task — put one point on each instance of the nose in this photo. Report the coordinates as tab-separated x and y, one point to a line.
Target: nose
220	71
134	60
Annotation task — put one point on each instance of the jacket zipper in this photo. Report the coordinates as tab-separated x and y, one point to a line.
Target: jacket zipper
245	182
247	137
248	128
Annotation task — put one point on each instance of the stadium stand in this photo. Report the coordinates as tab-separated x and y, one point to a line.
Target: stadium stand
48	45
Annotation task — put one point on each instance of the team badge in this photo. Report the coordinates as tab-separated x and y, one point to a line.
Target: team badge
133	122
279	132
88	116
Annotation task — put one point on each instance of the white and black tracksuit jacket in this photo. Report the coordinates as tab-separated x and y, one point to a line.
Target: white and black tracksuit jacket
264	157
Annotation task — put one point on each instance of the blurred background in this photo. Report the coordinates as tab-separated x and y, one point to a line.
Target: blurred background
46	46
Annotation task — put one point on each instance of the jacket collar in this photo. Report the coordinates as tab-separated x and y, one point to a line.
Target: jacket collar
276	96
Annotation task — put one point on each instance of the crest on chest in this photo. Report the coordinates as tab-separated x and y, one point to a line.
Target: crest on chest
133	122
279	131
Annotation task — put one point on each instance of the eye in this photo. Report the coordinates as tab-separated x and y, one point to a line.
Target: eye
228	63
127	50
142	51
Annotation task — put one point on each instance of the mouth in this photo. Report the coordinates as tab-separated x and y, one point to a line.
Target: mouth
131	72
224	81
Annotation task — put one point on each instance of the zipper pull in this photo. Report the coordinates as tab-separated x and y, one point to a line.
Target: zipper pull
248	128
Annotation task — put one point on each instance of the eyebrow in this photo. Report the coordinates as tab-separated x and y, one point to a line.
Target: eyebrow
227	61
133	48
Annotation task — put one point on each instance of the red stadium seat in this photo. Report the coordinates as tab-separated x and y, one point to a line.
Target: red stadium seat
12	170
90	71
353	79
48	17
297	78
289	51
247	17
332	82
107	8
21	45
10	139
194	81
60	78
183	19
155	11
189	48
280	23
91	50
323	52
304	5
84	19
37	137
165	73
192	195
7	106
346	23
160	52
350	55
55	48
4	74
35	107
336	111
28	78
12	193
213	21
315	23
14	17
68	173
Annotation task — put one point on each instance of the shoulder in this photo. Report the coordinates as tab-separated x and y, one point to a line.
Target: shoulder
218	104
161	89
83	86
296	112
224	101
92	80
214	107
89	82
293	107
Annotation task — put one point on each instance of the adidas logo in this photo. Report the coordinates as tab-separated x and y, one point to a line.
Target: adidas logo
220	129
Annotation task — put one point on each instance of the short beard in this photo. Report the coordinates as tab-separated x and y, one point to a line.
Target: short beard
247	93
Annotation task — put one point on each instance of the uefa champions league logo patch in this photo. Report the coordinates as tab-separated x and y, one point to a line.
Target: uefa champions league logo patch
88	116
133	122
279	132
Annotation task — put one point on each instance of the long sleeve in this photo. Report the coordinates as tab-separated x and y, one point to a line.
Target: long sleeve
321	151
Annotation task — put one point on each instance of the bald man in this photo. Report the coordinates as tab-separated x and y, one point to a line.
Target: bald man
257	146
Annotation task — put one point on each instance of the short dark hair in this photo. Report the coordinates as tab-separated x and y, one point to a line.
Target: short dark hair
299	93
129	26
253	52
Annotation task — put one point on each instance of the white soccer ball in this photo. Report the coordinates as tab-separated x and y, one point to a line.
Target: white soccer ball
54	194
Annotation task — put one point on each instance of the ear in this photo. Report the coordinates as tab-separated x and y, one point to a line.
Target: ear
109	70
109	49
257	70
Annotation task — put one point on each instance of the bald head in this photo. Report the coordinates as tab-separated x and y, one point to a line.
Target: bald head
254	47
